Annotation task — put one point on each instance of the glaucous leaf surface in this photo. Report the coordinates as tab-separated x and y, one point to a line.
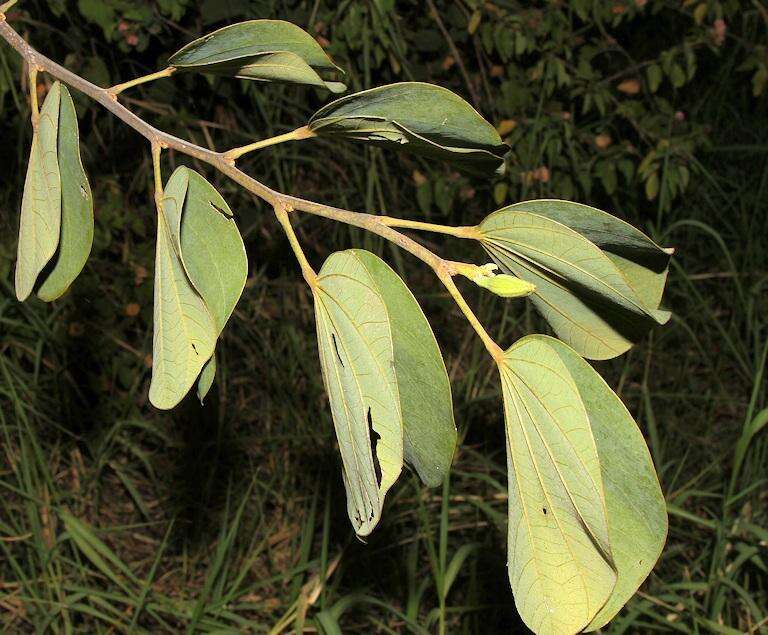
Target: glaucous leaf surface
184	329
358	366
560	559
266	50
579	290
76	233
422	118
644	264
637	512
40	219
429	431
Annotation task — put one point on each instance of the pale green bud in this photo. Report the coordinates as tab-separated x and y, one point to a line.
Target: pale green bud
505	285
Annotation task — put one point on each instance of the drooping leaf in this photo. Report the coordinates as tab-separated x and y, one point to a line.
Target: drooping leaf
560	559
184	329
358	365
429	431
266	50
422	118
210	245
76	235
212	252
40	219
637	514
581	292
644	264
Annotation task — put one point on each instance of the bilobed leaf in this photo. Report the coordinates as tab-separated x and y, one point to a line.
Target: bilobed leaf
358	365
40	218
267	50
76	235
560	557
429	431
644	264
422	118
210	249
582	292
637	514
184	329
210	245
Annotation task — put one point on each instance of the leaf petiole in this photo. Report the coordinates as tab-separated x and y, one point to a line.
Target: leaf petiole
114	91
458	232
295	135
306	269
5	6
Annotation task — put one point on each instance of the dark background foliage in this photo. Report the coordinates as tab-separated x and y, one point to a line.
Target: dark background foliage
230	517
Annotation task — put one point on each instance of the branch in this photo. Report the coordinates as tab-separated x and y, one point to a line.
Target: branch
226	165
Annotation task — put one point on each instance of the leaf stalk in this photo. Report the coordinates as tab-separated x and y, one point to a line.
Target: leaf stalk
114	91
295	135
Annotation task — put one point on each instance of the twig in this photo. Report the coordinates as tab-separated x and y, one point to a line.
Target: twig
225	164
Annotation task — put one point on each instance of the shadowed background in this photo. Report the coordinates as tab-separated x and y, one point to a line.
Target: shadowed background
115	517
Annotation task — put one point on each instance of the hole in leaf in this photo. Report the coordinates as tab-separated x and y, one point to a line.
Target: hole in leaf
194	348
375	436
336	348
544	509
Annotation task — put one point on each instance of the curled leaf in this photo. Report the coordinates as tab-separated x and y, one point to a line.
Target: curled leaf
264	50
416	117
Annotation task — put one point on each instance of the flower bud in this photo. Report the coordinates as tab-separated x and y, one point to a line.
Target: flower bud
505	285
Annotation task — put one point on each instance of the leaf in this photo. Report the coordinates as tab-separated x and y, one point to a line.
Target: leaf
644	264
40	218
267	50
421	118
357	361
184	329
560	559
210	245
581	292
637	513
275	67
76	207
207	377
429	431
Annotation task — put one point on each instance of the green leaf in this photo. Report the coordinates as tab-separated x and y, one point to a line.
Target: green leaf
184	329
40	219
560	559
357	360
581	292
637	513
429	431
644	264
76	207
266	50
276	67
421	118
210	245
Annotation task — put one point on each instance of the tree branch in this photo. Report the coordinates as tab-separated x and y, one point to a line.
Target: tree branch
226	165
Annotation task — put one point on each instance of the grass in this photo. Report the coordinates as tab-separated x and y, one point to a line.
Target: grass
230	518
